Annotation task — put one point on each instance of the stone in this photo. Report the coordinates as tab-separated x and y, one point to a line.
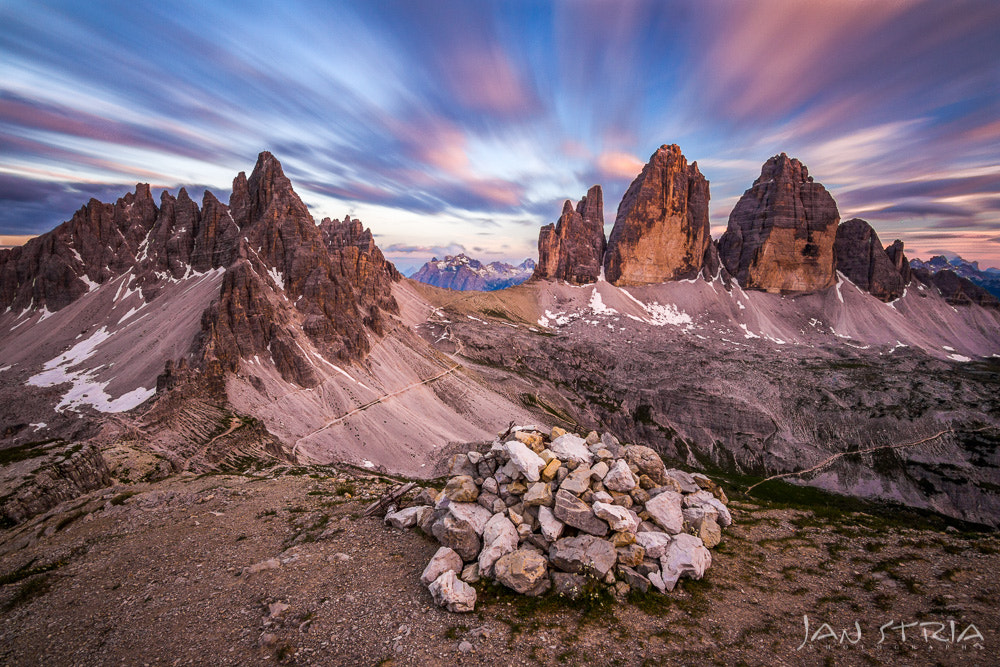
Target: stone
532	439
861	258
574	512
631	555
685	557
601	497
619	477
568	585
465	647
623	539
269	564
517	488
452	593
656	581
443	560
899	260
705	498
473	513
572	249
549	472
639	495
599	471
459	465
461	489
665	511
710	533
407	518
571	448
618	517
577	481
547	456
527	462
490	486
487	500
592	438
781	233
524	571
634	579
685	482
276	609
661	232
470	573
647	461
556	432
646	482
500	537
539	493
551	527
693	516
584	554
622	499
655	543
426	496
458	535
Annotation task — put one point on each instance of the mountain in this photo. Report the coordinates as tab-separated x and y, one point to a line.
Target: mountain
988	279
861	257
573	248
463	273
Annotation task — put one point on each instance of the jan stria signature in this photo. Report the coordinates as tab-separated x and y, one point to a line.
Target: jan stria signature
949	632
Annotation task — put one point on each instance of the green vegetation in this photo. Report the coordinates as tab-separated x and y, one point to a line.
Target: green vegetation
28	450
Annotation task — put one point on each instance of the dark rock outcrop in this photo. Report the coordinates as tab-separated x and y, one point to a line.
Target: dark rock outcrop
572	249
898	259
956	290
56	474
463	273
782	231
861	258
661	232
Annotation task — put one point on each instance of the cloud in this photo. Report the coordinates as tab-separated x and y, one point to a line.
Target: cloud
619	165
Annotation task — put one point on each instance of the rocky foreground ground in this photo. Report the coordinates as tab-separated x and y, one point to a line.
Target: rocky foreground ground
278	565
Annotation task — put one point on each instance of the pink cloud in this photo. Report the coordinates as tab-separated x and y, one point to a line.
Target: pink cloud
619	165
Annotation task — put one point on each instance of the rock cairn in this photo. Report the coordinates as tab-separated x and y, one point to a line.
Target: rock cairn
539	513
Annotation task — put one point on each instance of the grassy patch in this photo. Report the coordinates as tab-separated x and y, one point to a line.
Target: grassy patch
28	450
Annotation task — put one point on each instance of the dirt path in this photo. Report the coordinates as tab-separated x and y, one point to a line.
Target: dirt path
361	408
828	461
234	423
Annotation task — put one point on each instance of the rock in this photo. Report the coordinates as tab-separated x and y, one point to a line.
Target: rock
618	517
654	543
517	488
539	493
781	232
269	564
685	557
710	533
470	574
705	498
634	579
459	465
407	518
490	486
577	481
861	258
524	571
489	501
499	537
568	585
584	554
665	510
661	232
465	647
556	432
657	581
527	462
452	593
572	511
639	495
426	496
458	535
473	513
573	248
532	439
623	539
619	477
647	461
685	482
601	497
461	489
898	259
695	515
599	471
631	555
551	527
569	447
551	468
443	560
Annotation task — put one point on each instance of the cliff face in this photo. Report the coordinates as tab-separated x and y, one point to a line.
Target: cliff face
781	233
573	248
861	258
661	232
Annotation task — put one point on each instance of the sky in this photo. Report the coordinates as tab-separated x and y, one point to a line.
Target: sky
463	125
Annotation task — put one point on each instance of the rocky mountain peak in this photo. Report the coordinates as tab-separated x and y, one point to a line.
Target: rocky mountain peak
782	231
661	231
862	259
572	249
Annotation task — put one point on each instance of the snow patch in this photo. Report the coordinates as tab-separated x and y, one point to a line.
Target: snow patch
662	314
597	304
959	357
747	333
365	463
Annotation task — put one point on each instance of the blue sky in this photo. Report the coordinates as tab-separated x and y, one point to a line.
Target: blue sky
450	126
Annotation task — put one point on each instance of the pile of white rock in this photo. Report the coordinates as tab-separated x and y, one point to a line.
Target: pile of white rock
539	512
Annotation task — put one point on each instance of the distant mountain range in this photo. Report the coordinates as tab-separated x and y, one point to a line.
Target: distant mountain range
988	279
460	272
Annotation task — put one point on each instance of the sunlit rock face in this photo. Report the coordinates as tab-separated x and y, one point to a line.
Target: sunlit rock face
781	233
572	249
661	232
